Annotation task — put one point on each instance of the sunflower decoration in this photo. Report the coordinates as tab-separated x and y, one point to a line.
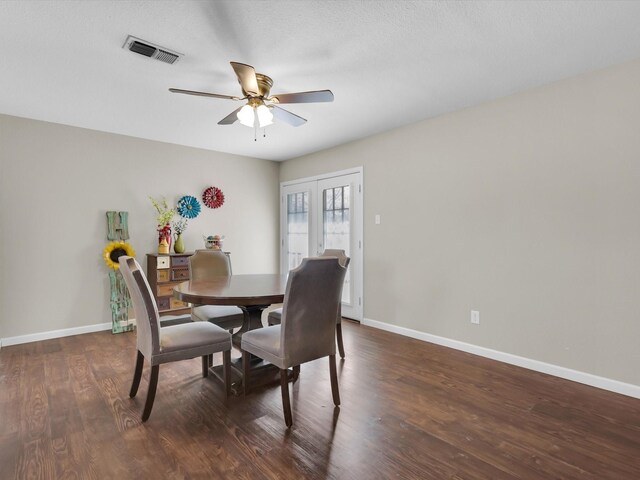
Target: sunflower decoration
114	251
213	197
188	207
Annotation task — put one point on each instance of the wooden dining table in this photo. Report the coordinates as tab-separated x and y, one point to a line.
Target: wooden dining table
252	293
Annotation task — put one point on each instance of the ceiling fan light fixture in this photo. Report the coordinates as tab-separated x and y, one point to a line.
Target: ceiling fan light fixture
265	117
256	90
246	116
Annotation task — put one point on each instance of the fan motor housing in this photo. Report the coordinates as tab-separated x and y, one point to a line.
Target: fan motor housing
264	85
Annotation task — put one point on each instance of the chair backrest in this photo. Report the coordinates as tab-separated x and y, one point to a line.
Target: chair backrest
205	264
310	307
146	310
344	261
341	256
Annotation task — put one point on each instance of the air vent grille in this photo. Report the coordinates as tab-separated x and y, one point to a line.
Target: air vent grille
143	49
151	50
166	57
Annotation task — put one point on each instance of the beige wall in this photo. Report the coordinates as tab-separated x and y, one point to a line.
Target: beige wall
56	184
526	209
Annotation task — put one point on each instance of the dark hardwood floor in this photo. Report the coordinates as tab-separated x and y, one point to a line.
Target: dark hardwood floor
409	410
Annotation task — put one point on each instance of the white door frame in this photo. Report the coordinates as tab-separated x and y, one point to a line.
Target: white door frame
358	271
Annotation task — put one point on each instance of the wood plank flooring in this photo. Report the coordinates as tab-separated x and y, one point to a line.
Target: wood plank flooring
410	410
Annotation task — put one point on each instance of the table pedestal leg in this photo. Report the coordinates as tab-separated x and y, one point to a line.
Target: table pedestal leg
262	373
252	320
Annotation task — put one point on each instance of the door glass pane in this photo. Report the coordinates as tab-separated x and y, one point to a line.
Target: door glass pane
337	202
297	228
328	199
335	227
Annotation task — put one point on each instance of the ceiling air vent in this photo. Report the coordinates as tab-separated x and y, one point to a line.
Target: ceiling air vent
150	50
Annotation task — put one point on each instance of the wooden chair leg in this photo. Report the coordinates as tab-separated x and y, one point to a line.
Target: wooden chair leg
286	403
339	337
334	380
205	366
226	371
246	371
137	375
210	358
151	394
296	373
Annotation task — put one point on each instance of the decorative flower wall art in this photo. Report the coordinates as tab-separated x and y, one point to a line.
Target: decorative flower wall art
188	207
213	197
114	251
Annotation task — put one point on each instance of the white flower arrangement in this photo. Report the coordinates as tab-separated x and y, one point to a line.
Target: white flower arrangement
179	226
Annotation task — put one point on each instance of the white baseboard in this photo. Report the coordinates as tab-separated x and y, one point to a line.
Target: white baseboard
555	370
65	332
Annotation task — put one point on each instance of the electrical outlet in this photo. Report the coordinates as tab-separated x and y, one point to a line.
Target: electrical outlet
475	317
377	219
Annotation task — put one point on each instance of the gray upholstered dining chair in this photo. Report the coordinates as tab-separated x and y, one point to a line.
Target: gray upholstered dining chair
307	330
203	265
275	316
168	344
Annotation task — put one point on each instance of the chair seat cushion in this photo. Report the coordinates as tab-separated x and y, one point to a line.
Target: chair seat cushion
189	340
275	317
227	317
265	343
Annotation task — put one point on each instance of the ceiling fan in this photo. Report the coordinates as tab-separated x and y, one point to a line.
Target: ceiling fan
260	109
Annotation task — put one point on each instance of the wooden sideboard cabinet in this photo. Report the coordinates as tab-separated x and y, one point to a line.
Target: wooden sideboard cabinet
164	271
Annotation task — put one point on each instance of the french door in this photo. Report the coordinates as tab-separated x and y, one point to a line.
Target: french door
320	213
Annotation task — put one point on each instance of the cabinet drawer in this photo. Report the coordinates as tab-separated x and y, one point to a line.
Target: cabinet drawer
166	290
164	262
180	262
163	275
164	303
175	303
180	274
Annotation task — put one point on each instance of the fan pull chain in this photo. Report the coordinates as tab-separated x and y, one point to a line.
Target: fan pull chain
264	133
255	133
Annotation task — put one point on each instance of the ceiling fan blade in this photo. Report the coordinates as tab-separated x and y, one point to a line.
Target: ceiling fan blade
203	94
231	118
287	117
247	78
304	97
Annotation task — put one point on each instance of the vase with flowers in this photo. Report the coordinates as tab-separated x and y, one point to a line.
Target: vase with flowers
165	214
179	226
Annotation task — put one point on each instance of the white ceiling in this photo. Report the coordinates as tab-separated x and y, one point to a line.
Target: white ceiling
388	63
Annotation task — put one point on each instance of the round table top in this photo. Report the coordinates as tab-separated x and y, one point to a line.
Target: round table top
240	290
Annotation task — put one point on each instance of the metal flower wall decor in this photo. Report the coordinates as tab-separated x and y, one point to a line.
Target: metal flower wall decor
188	207
213	197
